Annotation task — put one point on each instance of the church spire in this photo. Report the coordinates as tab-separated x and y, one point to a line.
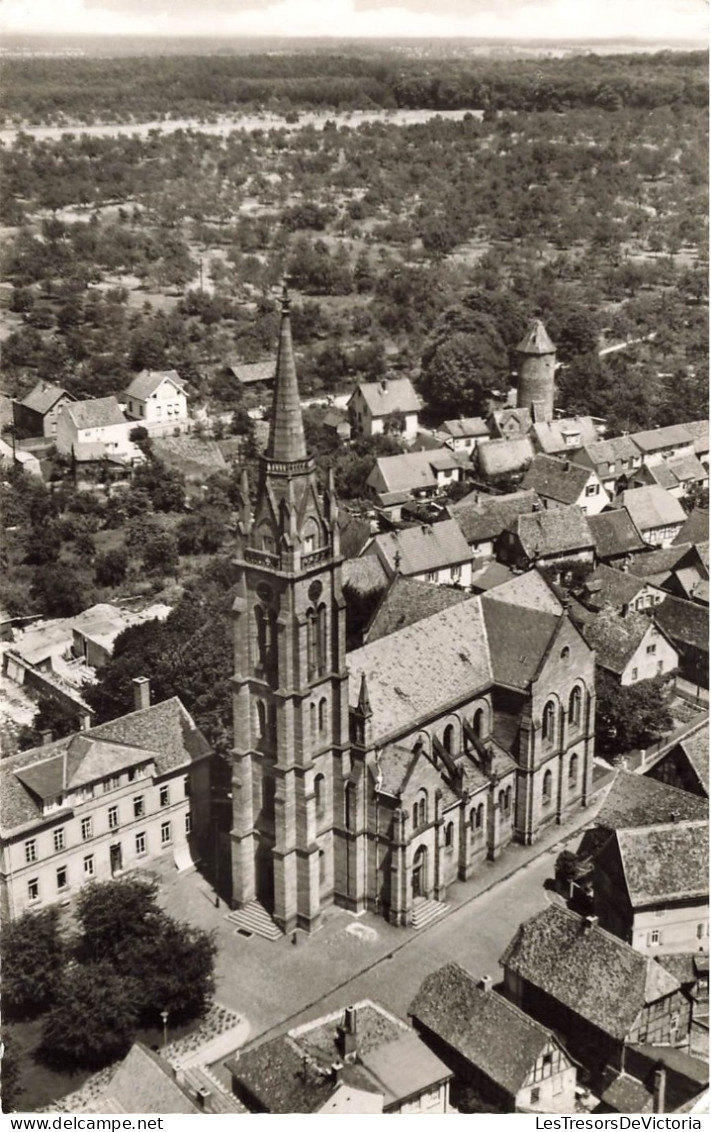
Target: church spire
287	443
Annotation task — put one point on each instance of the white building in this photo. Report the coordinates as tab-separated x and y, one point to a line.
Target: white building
157	400
389	405
97	428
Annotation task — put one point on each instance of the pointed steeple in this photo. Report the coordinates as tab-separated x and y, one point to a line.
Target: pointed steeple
536	340
364	707
287	443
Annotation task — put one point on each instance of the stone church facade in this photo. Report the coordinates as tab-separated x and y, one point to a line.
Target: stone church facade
375	779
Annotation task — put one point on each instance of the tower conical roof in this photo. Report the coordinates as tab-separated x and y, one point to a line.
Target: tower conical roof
286	427
536	340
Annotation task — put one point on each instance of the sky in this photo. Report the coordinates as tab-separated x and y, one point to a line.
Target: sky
508	19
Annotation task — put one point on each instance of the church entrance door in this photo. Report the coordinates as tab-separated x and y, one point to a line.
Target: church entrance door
419	873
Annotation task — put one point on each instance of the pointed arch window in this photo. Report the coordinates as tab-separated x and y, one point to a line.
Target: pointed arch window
549	722
547	787
575	705
322	716
320	794
479	723
449	738
573	772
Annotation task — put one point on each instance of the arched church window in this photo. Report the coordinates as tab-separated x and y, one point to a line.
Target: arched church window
575	705
322	641
479	723
549	722
310	539
322	716
547	787
449	738
320	793
261	719
480	815
311	649
573	771
449	836
314	723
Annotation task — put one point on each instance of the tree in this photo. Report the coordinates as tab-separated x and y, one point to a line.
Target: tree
33	955
93	1019
633	716
11	1088
110	568
57	591
114	916
165	487
160	554
463	359
58	718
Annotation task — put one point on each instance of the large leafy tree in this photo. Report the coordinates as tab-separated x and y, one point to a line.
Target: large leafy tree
630	717
93	1019
462	360
33	955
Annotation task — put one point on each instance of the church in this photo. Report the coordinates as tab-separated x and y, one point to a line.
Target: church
377	778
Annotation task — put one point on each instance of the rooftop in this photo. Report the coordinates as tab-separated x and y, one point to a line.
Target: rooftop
695	529
252	372
501	457
536	340
696	747
98	413
408	600
561	530
148	381
612	451
614	534
607	586
566	435
656	439
466	427
634	801
364	575
518	643
44	396
530	591
483	517
560	480
651	507
664	863
417	550
393	395
412	470
684	622
615	638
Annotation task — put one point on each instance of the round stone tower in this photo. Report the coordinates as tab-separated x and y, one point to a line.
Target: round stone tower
536	372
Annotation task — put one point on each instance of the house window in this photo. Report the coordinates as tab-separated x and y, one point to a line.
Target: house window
62	881
86	829
113	817
30	851
89	865
164	796
165	833
565	652
700	931
535	1096
654	938
139	807
592	489
449	837
660	667
431	576
633	674
188	823
651	649
140	844
456	573
132	773
33	889
547	787
59	840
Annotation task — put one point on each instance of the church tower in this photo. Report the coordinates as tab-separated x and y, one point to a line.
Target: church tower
290	681
536	373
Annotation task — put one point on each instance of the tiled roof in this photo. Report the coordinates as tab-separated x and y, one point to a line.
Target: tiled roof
627	1094
518	641
484	517
165	732
275	1073
695	529
396	395
501	418
614	533
144	1082
662	561
466	427
556	479
618	588
696	747
411	470
654	439
98	413
594	974
425	548
555	436
413	673
603	453
490	577
530	591
404	1067
651	507
43	397
615	638
148	381
561	530
687	468
408	600
684	622
536	340
665	862
635	800
481	1026
364	575
500	457
253	372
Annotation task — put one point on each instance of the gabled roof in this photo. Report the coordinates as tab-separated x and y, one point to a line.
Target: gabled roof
44	397
252	372
612	450
403	1068
144	1082
687	469
695	529
97	413
556	436
655	439
519	641
466	427
412	470
561	530
696	747
684	622
365	575
529	590
634	800
500	420
617	588
424	548
481	1026
483	517
164	732
663	561
536	340
664	863
408	600
148	381
413	673
501	457
650	507
615	638
614	534
594	974
394	395
83	761
560	480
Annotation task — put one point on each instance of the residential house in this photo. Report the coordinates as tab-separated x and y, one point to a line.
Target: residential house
337	424
658	444
358	1061
686	765
651	886
563	436
483	518
250	374
157	400
509	424
390	405
434	553
507	1059
677	569
36	414
406	601
665	1081
94	804
504	458
631	648
560	483
545	538
695	529
678	476
596	993
614	461
465	434
619	590
95	428
686	624
657	515
615	537
396	480
699	431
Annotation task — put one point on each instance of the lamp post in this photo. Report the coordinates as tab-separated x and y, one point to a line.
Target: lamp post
164	1016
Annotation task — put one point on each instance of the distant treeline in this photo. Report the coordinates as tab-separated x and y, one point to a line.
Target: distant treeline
146	87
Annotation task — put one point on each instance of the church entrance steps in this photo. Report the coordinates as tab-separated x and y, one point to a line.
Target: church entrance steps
425	911
254	918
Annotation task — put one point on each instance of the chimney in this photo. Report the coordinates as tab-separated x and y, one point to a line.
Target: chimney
660	1087
673	816
141	693
384	383
337	1072
590	922
47	737
485	983
347	1035
201	1097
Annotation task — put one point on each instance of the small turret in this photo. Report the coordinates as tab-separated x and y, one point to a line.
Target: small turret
536	372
